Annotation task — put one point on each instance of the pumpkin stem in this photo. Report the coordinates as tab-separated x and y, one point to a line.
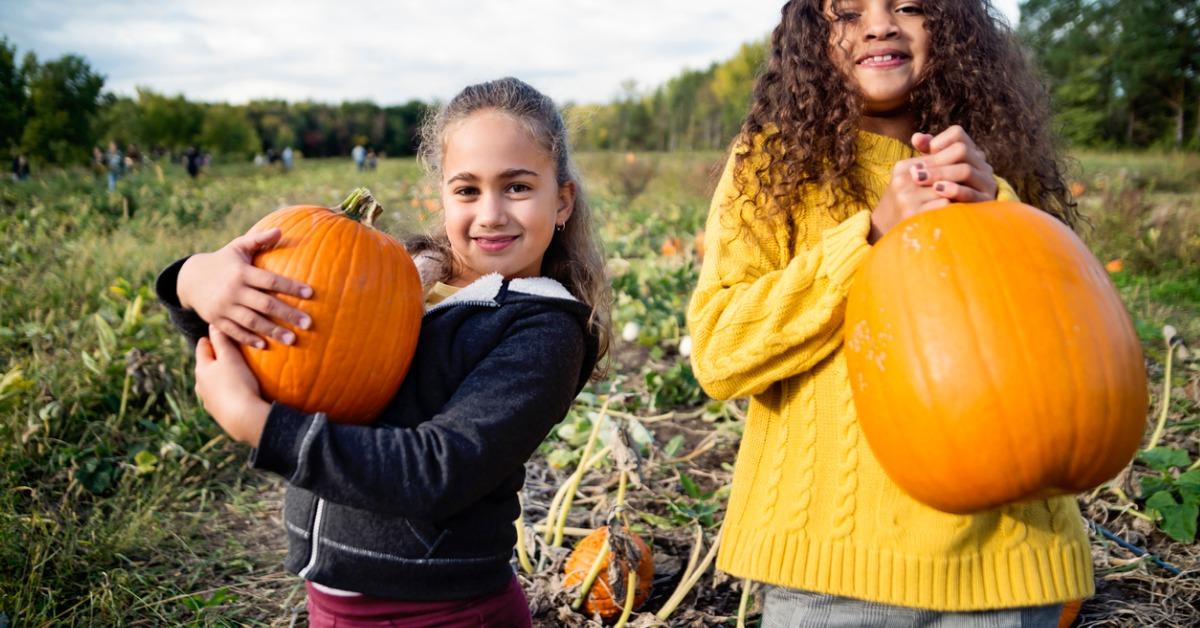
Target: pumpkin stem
362	207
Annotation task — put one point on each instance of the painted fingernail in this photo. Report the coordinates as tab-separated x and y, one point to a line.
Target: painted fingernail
260	344
920	165
940	187
288	337
921	174
305	322
306	292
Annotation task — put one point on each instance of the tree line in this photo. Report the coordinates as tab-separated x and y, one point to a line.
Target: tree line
56	112
1121	74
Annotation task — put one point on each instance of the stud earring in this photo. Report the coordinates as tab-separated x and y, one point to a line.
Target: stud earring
560	226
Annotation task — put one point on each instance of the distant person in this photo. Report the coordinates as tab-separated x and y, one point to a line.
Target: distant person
191	161
372	159
98	166
359	154
288	157
20	168
891	124
133	157
114	162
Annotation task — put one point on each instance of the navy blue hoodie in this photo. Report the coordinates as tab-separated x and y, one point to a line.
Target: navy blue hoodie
420	505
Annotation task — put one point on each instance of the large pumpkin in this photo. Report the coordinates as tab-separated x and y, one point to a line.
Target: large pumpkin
601	597
991	360
366	311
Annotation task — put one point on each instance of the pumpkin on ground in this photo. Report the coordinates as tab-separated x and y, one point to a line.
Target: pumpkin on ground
1069	612
366	311
607	595
991	359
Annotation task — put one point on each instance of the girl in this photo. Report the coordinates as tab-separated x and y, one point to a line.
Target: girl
409	520
869	111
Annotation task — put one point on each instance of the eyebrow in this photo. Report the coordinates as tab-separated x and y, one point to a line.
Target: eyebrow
511	173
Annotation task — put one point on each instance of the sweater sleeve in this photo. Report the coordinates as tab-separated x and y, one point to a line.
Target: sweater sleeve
493	422
187	321
760	315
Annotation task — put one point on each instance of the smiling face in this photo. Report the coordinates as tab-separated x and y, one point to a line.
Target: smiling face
501	197
882	45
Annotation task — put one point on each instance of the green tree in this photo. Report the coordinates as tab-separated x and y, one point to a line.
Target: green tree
12	97
1121	72
171	123
64	97
227	131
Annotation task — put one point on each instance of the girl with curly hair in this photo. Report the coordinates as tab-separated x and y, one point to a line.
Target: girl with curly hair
868	112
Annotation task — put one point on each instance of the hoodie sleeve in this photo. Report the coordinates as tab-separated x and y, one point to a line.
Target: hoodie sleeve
493	422
186	321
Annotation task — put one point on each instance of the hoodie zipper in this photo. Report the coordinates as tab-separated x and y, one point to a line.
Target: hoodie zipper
316	536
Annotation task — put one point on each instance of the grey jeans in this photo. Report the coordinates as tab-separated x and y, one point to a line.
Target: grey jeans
792	608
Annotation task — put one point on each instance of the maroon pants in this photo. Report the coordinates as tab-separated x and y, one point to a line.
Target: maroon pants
507	609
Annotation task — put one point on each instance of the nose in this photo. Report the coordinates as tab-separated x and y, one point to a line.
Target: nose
492	211
881	24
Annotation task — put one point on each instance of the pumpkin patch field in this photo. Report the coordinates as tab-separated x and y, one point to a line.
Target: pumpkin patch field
122	503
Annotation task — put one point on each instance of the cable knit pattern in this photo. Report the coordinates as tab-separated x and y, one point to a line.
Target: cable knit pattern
778	456
798	516
810	507
847	474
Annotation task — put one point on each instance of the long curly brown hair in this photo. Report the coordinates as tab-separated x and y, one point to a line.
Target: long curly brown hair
806	110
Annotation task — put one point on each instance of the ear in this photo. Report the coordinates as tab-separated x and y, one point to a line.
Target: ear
566	202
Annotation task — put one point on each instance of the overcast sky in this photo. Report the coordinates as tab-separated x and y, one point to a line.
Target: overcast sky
388	52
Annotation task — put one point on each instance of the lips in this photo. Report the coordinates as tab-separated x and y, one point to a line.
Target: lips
493	244
886	58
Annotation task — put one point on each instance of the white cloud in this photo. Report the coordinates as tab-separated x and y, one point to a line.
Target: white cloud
389	52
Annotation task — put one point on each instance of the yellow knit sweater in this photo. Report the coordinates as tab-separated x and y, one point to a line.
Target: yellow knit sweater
810	507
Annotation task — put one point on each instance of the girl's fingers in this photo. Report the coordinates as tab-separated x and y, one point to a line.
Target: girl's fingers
921	141
204	352
950	136
960	173
264	303
256	277
255	241
222	344
933	204
242	336
951	191
258	324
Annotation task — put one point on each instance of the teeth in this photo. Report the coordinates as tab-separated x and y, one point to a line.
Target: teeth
880	58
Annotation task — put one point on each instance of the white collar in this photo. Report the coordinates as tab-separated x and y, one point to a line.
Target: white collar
485	290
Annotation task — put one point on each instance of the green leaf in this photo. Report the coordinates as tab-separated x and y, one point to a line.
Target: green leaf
96	475
1189	486
1163	458
691	489
673	446
1152	484
561	458
1178	520
107	337
145	462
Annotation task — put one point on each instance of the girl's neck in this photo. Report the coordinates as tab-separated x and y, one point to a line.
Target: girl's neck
897	125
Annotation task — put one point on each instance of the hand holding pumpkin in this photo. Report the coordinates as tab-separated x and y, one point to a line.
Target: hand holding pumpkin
229	292
954	167
902	198
228	389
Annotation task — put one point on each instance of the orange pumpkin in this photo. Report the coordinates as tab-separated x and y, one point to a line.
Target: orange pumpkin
600	598
1069	612
671	246
991	360
700	245
366	311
